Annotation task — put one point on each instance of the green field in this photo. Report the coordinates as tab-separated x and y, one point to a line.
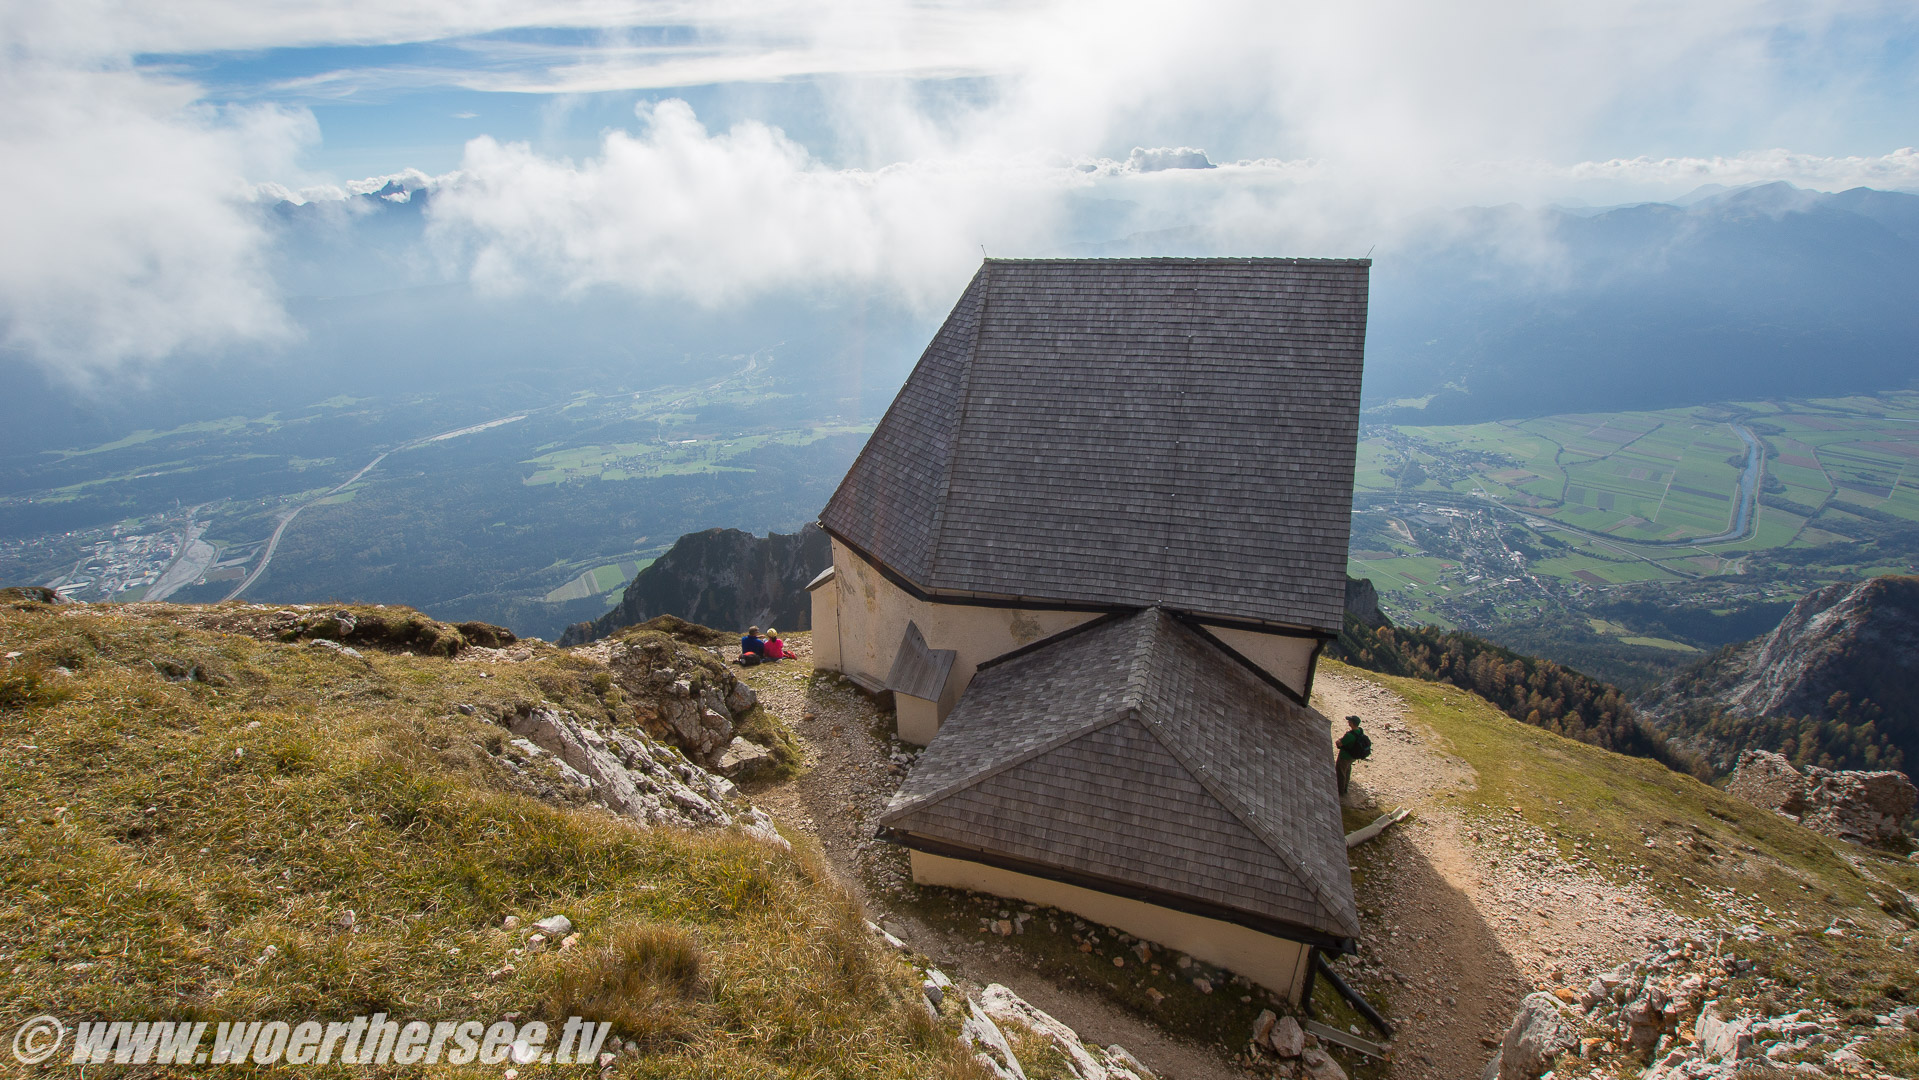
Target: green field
1483	524
606	580
669	457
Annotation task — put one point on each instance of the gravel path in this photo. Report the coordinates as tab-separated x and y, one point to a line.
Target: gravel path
1463	919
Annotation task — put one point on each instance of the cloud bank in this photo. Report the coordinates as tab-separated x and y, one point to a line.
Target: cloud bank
125	234
133	229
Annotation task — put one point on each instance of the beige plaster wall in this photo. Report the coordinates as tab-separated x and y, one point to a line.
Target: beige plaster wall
917	719
1288	659
1276	963
826	624
870	615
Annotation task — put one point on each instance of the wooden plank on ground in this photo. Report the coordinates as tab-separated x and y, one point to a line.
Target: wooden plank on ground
1345	1039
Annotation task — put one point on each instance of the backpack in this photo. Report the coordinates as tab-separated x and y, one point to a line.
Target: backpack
1363	749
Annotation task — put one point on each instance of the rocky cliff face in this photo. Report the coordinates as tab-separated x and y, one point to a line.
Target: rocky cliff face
722	578
1860	639
1362	602
1848	653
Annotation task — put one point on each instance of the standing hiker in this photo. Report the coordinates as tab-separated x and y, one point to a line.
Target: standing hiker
1353	746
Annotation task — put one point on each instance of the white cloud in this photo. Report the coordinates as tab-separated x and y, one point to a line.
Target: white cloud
1159	159
126	235
1898	170
714	217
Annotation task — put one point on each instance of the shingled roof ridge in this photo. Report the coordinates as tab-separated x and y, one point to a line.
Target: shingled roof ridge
959	784
1131	705
1139	668
1244	814
983	280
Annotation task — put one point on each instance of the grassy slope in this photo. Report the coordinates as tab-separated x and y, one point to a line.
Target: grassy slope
1580	793
156	837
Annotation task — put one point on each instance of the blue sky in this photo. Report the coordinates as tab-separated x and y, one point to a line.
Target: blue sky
731	148
1828	79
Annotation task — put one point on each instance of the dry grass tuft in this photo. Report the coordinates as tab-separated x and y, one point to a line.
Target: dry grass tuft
646	980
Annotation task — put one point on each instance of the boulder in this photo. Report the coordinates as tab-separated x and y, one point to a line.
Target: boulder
1644	1023
1769	781
1263	1025
1867	807
1004	1007
1287	1038
1723	1040
1317	1064
1539	1032
743	760
741	699
989	1044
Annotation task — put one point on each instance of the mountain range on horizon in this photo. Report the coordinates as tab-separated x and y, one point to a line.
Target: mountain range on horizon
1477	313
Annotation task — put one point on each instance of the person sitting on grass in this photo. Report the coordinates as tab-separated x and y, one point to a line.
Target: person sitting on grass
776	649
752	647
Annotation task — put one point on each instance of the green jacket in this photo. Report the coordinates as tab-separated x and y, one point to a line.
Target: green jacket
1355	744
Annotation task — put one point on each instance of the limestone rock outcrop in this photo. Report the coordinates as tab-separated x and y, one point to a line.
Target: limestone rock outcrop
625	771
681	694
1867	807
1847	654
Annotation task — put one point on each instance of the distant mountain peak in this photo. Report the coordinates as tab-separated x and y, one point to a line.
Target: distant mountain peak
1843	663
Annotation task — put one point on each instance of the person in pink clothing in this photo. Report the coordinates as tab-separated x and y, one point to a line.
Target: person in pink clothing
775	648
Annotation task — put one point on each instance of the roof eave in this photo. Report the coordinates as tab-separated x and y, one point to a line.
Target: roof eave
936	595
1191	905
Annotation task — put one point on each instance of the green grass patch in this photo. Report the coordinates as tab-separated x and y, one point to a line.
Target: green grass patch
1660	643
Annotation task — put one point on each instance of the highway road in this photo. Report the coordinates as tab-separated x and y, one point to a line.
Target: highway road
273	542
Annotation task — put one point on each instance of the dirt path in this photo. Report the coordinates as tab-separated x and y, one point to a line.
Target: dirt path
1462	919
850	773
851	776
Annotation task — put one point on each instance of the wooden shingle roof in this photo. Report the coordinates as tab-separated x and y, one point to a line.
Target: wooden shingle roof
1137	757
1124	433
